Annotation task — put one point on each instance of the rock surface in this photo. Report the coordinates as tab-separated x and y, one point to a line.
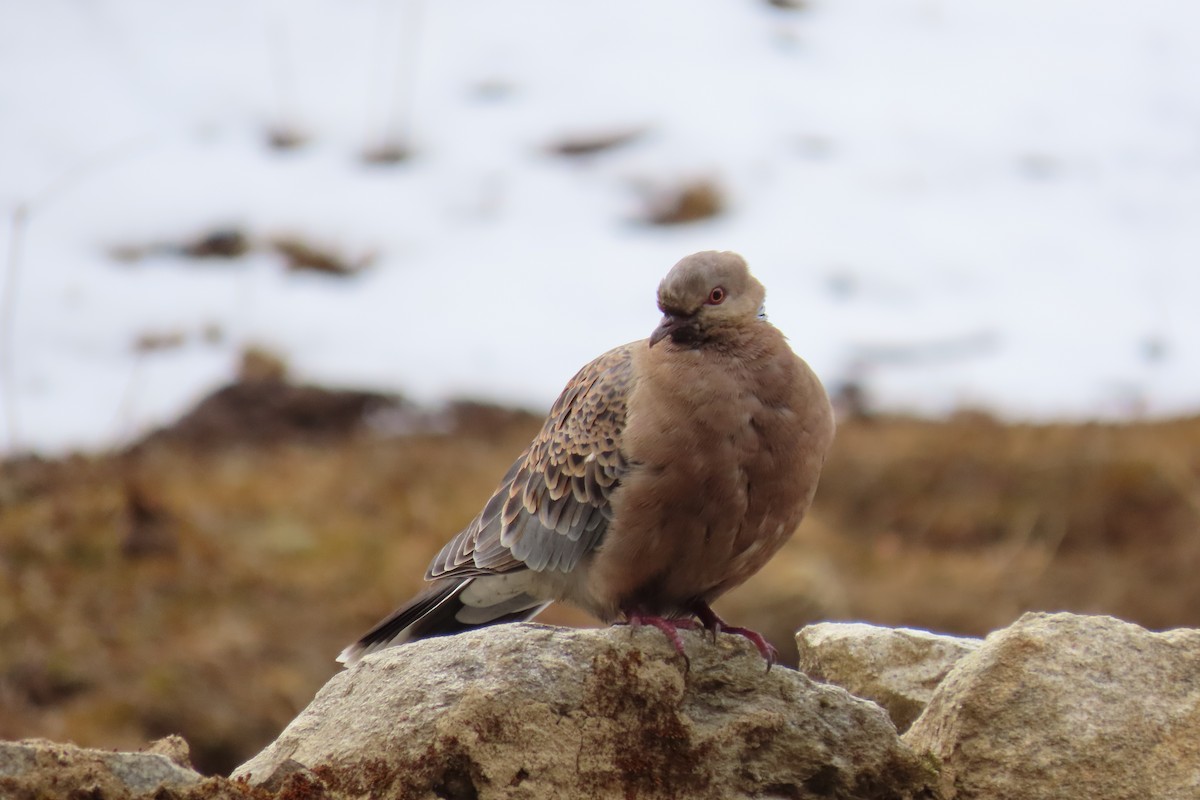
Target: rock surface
898	668
1056	706
36	768
528	711
1069	707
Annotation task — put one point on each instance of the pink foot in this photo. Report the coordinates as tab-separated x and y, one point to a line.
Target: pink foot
669	627
711	622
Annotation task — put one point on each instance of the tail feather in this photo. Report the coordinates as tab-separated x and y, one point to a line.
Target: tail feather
440	610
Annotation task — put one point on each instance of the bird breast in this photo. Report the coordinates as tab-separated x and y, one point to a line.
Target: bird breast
724	455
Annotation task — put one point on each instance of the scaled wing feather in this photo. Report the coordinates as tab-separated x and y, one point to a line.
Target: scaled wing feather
552	508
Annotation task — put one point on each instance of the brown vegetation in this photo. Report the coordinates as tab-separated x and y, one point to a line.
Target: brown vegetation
588	144
204	588
688	202
227	245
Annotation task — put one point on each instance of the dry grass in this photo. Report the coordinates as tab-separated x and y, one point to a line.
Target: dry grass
205	591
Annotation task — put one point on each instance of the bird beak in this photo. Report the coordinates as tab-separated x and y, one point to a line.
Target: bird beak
670	323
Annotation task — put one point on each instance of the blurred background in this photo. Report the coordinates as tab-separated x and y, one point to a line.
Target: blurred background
287	285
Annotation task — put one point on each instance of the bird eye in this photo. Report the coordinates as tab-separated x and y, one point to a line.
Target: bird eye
716	296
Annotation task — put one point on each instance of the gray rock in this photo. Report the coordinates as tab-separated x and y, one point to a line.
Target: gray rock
898	668
43	769
1071	708
528	711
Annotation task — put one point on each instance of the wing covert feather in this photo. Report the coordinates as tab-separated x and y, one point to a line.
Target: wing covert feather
552	507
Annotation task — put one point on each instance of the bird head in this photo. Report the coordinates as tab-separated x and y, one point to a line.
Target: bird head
706	297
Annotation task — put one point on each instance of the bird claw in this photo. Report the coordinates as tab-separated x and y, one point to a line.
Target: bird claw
712	622
709	621
670	629
765	648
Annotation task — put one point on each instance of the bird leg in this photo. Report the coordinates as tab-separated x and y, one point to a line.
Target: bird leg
669	627
712	622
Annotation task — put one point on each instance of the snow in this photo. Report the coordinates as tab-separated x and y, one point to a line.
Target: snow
989	204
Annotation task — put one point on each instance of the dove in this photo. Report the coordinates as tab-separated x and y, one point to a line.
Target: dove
669	471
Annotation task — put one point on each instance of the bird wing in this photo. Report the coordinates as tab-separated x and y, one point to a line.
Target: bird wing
552	507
